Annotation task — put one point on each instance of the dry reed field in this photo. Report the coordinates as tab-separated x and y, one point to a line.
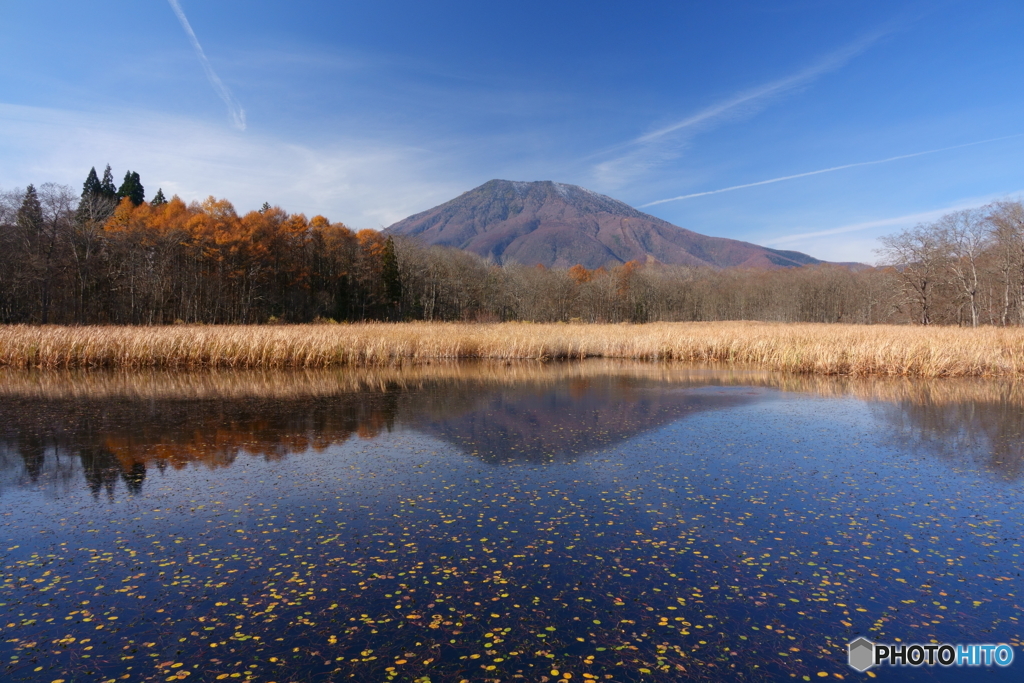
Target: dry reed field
897	351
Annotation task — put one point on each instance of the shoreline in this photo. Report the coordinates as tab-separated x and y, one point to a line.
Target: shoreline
801	348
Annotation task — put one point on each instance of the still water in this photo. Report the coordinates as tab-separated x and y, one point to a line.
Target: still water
591	521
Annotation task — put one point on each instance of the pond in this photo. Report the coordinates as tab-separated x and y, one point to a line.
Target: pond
478	522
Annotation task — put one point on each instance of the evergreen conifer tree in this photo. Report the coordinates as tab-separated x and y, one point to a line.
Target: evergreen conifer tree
132	188
107	187
95	206
158	198
92	186
30	214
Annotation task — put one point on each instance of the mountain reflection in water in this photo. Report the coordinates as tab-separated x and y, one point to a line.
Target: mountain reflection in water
60	429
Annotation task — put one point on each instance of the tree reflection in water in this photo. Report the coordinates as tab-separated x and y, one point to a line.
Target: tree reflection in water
102	428
982	432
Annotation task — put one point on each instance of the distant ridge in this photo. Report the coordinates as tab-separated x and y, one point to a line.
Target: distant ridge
559	225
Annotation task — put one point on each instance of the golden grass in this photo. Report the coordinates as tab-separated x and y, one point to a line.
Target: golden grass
792	348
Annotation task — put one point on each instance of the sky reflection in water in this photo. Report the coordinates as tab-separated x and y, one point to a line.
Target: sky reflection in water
624	522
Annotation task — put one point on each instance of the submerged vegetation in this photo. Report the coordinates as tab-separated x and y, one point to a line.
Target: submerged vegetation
673	523
799	348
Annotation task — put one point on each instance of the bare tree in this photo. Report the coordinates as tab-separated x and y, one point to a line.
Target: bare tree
86	243
59	203
11	298
1006	222
919	256
965	237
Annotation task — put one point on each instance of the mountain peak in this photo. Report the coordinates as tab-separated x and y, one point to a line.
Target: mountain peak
559	225
580	198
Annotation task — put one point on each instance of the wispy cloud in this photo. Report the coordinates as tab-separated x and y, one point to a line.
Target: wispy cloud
645	151
365	181
826	170
908	219
234	108
756	96
858	241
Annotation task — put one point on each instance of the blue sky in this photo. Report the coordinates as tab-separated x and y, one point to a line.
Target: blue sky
369	112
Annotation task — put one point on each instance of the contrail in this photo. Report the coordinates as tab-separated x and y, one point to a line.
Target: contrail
830	62
753	96
825	170
234	108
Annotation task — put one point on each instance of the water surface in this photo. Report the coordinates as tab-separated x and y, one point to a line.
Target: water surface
482	522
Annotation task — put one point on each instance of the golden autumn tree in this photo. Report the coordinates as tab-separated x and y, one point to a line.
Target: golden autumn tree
580	275
332	252
368	271
143	249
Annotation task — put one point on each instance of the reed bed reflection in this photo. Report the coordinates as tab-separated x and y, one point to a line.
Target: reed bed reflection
303	383
797	348
213	416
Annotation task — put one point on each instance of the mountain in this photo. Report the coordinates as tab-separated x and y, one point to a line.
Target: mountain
560	225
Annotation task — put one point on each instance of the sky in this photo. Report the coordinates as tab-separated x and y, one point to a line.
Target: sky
812	125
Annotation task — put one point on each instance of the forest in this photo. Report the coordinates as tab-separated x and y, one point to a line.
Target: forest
105	255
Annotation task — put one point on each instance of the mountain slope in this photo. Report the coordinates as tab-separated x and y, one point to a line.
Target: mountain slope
560	225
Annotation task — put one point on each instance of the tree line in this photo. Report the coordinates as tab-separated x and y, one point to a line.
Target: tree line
107	256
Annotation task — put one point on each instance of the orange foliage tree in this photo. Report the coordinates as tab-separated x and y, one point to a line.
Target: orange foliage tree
202	262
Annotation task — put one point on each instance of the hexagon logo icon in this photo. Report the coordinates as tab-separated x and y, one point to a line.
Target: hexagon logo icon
861	654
